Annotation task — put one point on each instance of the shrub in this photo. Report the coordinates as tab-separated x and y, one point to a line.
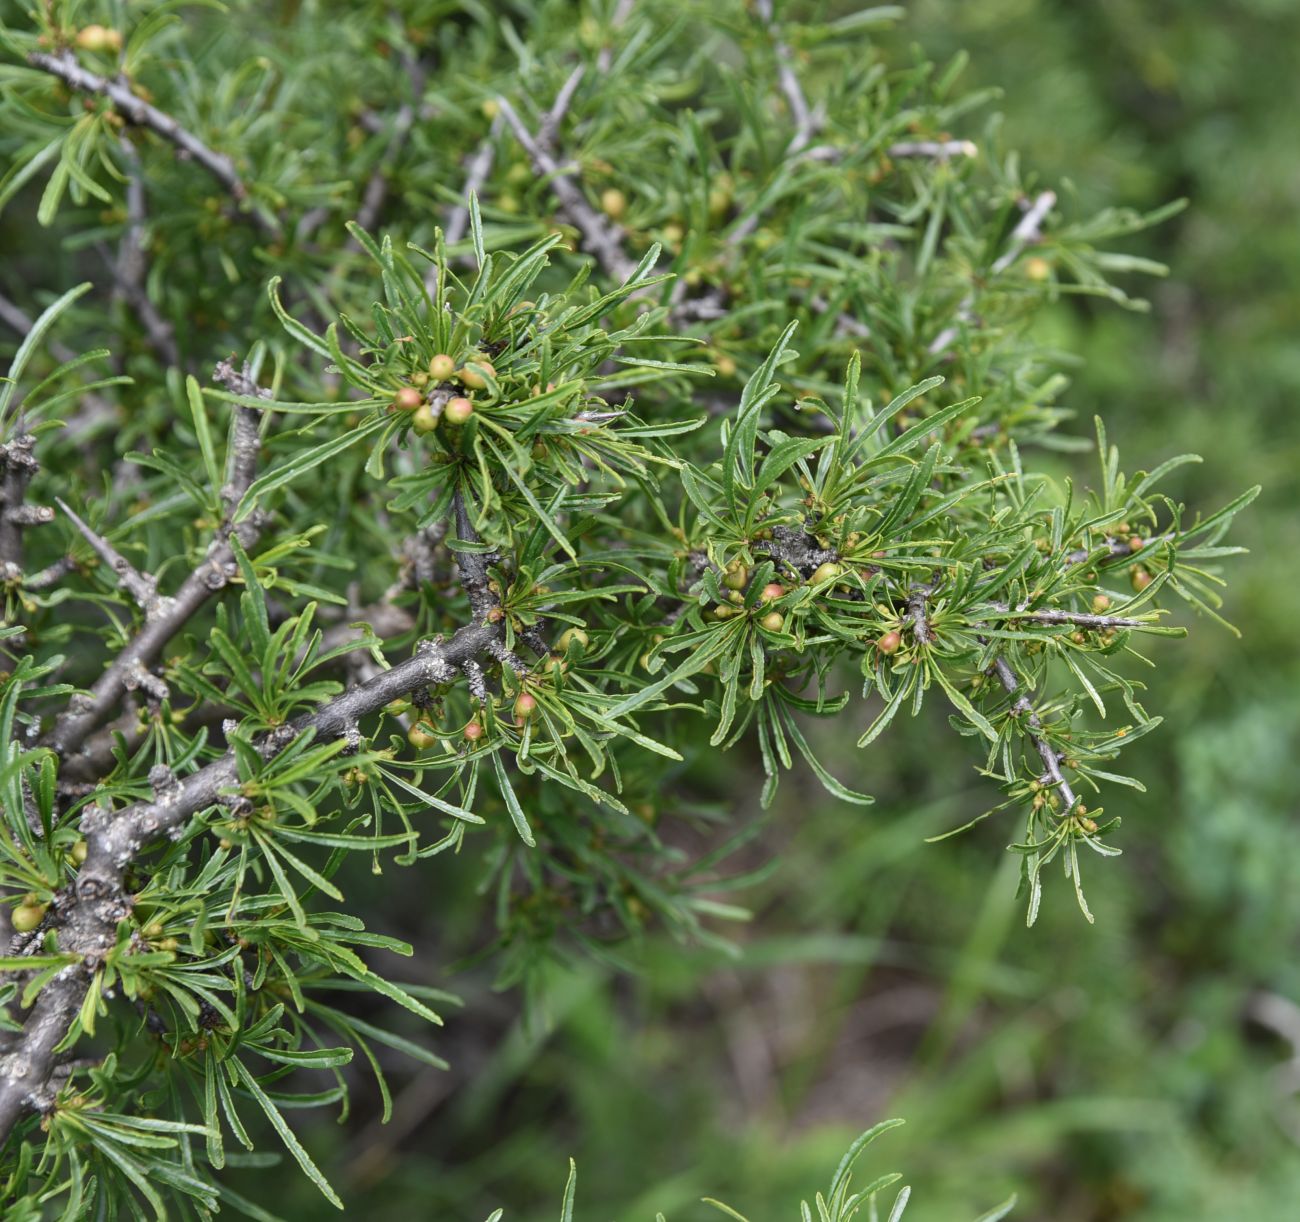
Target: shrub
596	390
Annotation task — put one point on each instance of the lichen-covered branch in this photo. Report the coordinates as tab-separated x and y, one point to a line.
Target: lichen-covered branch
86	914
129	669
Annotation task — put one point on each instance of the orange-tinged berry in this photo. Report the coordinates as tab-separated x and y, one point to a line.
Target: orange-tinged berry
407	399
458	410
473	731
476	372
421	736
441	367
771	592
889	643
525	707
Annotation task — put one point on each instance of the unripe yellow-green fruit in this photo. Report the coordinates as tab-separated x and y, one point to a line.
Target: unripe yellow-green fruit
423	419
99	38
724	365
1100	603
1140	579
572	636
27	917
673	233
556	664
407	399
421	736
825	572
419	378
773	621
1037	269
889	643
441	367
736	577
613	202
724	611
78	852
474	377
458	410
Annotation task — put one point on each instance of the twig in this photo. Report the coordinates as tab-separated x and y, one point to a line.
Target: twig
84	713
129	269
136	110
621	13
476	174
1023	706
1028	230
604	238
87	913
143	587
807	122
1078	619
376	192
939	150
551	120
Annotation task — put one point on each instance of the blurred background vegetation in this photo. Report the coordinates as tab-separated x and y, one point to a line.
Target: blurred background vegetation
1132	1070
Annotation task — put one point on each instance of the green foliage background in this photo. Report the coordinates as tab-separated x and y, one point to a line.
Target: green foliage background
1113	1071
1102	1072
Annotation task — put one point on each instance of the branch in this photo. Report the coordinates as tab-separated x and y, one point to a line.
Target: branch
136	110
87	913
604	238
474	579
1022	706
17	466
939	150
807	122
376	192
616	22
1028	230
917	608
1078	619
476	174
129	269
129	669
